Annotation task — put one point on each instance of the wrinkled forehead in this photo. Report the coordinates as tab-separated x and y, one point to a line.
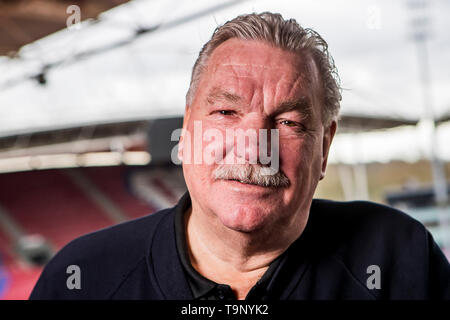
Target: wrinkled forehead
252	65
253	74
267	72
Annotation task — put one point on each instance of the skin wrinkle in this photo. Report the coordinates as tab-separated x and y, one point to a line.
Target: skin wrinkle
301	105
247	216
235	72
246	258
250	65
300	76
217	93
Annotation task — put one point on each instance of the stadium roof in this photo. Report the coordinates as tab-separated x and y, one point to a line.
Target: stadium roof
134	63
22	22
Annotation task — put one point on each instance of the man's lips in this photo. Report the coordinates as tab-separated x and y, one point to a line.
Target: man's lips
244	182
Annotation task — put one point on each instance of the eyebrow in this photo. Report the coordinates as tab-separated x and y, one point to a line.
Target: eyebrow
301	105
219	94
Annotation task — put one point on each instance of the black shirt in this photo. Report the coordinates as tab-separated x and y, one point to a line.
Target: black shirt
332	259
203	288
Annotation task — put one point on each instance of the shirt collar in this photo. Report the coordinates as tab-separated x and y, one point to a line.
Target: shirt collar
201	286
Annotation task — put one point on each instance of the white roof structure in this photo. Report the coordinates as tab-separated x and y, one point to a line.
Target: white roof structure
147	78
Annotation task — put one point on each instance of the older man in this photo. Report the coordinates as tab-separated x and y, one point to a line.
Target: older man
248	227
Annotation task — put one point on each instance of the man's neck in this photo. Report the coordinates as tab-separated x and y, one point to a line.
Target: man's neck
241	260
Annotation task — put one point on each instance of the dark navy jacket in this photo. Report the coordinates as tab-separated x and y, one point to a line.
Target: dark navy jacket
138	259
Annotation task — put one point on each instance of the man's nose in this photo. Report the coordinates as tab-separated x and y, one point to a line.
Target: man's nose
252	135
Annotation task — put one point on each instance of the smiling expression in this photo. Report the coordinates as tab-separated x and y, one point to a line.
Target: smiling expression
253	85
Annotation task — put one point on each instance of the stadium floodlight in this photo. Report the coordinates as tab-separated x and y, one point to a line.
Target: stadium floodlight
420	24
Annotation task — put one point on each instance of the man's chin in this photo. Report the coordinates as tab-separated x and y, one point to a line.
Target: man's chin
244	220
243	228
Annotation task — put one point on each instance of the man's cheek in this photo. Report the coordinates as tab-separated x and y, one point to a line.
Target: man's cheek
213	151
289	154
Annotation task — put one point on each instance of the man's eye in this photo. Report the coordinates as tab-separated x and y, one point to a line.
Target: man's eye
226	112
288	123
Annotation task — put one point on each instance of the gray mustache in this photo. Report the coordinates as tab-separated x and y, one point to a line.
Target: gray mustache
251	174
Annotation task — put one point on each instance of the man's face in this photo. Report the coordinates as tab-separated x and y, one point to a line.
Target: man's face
252	85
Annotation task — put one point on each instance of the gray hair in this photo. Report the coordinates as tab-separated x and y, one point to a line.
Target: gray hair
252	174
284	34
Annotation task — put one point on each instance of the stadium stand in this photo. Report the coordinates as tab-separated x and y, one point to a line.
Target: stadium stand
6	256
16	277
58	205
46	202
112	181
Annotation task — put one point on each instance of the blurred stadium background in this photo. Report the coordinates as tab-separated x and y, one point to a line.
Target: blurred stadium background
87	110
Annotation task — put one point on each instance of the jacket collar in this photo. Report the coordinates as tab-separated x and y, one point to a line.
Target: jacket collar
167	269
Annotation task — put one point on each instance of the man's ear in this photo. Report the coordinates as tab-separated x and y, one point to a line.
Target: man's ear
328	136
